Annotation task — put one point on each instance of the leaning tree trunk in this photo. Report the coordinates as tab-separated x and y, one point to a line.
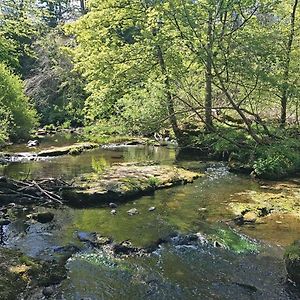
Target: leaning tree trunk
169	96
286	71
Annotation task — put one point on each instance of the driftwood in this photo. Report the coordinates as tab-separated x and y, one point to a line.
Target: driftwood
42	191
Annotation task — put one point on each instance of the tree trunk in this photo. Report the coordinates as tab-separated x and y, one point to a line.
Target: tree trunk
286	71
82	7
208	78
169	96
255	137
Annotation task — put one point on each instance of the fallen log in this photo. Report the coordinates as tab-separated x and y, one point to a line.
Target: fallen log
42	191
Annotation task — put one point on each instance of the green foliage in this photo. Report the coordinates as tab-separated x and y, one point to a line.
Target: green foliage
225	141
292	252
234	241
153	181
275	166
143	111
56	89
105	128
4	125
20	25
99	165
17	115
278	159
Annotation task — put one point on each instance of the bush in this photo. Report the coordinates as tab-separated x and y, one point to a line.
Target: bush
18	117
280	159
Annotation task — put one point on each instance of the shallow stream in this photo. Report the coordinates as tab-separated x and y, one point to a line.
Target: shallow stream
224	263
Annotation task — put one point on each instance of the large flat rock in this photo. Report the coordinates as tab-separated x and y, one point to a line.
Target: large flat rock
73	149
127	180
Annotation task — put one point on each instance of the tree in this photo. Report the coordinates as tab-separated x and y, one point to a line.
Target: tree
54	87
287	63
120	46
18	117
20	24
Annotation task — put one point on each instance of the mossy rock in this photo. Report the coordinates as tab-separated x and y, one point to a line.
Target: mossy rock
13	279
20	273
126	180
292	261
72	149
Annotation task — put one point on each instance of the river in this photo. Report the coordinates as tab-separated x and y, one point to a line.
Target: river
225	262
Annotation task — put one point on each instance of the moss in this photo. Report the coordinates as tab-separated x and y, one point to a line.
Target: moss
234	241
273	197
125	180
11	283
292	252
292	261
20	273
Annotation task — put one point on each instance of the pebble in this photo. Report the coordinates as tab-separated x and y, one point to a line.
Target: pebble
113	205
132	211
152	208
48	291
217	244
113	211
202	209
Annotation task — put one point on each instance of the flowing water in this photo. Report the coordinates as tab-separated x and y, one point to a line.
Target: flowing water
245	267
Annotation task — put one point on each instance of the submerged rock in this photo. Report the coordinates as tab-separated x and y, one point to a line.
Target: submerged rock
44	217
4	222
125	248
292	261
3	179
48	291
93	238
239	220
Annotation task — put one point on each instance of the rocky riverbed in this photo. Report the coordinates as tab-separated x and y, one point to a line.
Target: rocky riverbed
174	241
271	202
